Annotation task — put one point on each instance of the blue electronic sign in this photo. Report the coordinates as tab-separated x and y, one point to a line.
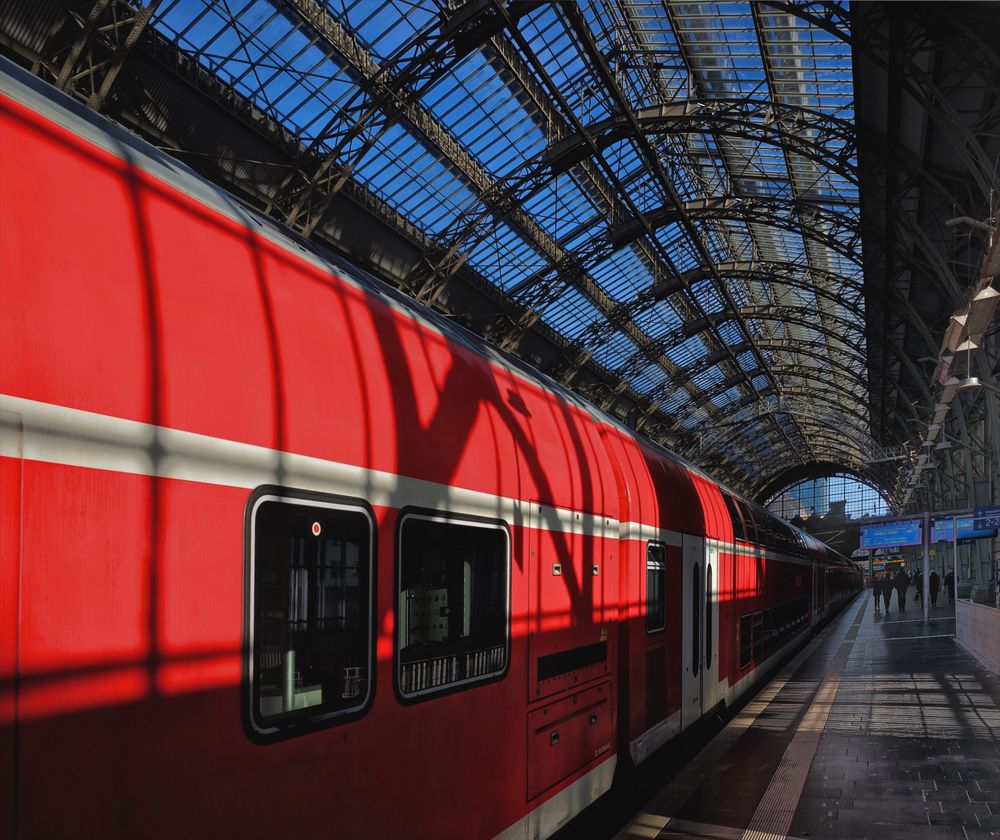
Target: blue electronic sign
942	531
986	518
888	534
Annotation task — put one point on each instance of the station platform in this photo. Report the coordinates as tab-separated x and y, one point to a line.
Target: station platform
879	728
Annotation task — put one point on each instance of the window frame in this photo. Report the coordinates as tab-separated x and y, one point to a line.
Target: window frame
305	723
666	583
697	619
745	642
447	518
709	635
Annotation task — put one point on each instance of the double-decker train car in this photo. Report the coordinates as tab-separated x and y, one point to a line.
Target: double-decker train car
283	554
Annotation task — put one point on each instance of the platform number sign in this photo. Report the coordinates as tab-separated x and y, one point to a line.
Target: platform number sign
986	518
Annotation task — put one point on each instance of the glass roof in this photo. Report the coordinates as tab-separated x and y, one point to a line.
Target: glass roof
694	161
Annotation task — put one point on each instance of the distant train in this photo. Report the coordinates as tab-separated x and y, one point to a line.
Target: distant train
283	554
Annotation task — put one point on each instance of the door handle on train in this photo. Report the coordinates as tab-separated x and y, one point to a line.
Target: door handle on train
554	738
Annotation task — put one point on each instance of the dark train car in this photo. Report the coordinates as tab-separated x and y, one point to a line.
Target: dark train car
285	554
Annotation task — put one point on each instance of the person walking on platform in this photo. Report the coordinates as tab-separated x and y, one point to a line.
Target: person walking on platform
877	589
934	584
886	584
901	581
918	586
949	584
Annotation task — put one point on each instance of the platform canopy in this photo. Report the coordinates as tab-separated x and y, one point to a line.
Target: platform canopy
658	204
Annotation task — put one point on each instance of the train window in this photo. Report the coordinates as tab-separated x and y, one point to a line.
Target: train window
736	517
758	636
310	635
696	619
746	640
750	524
656	587
708	616
453	603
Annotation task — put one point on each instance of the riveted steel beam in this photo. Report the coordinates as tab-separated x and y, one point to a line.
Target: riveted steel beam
86	55
829	142
837	231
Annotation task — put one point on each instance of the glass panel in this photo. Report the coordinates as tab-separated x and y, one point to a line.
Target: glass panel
734	515
746	640
453	604
708	616
311	613
656	588
696	619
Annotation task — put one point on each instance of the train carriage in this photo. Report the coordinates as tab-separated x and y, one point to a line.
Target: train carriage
285	554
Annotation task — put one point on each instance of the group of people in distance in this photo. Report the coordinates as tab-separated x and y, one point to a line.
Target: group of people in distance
883	584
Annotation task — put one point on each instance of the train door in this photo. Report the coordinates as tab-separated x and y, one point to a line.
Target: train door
10	560
814	575
710	645
692	638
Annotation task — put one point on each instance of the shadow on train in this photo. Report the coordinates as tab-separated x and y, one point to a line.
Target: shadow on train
171	355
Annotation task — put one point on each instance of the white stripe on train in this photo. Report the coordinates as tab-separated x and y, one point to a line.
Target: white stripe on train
40	431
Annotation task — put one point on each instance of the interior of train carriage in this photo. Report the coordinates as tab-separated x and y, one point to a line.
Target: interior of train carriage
646	303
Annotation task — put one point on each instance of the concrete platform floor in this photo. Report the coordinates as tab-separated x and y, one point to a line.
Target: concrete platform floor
879	728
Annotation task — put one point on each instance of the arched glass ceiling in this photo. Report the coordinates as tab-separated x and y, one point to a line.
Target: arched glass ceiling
815	496
668	188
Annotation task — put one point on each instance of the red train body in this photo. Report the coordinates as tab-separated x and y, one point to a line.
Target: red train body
283	555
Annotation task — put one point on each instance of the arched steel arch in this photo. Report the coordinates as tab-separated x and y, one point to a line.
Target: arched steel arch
856	417
639	361
809	472
829	438
837	231
827	141
791	274
802	347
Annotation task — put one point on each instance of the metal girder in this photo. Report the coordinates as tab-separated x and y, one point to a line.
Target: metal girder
536	292
805	220
488	25
801	316
499	200
386	92
730	157
956	72
837	231
651	159
829	446
918	82
829	16
825	395
827	141
94	45
640	360
809	348
537	296
825	408
830	285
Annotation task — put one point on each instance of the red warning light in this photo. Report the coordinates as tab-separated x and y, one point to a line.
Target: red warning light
316	529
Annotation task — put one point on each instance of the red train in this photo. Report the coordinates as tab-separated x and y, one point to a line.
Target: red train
285	555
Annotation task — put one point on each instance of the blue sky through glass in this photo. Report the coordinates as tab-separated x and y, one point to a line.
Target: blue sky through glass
432	148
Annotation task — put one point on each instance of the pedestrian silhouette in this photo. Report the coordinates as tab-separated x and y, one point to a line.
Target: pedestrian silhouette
901	581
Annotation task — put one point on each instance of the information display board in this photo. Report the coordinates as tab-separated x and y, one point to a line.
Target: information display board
887	534
942	531
986	518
